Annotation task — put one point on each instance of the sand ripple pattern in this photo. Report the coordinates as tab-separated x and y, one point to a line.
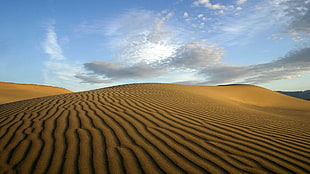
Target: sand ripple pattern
149	128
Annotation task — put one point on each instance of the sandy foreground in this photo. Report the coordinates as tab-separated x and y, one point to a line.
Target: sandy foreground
157	128
11	92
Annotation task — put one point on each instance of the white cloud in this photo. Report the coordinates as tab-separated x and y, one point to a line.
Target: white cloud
51	45
200	15
208	4
185	14
241	1
141	35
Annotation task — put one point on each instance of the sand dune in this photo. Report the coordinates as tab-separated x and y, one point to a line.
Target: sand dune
11	92
157	128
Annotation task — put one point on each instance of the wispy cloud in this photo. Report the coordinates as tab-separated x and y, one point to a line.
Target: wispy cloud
60	71
51	46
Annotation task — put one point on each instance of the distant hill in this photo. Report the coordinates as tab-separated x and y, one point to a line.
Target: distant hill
12	92
298	94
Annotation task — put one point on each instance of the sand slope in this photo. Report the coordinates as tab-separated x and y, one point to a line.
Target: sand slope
157	128
11	92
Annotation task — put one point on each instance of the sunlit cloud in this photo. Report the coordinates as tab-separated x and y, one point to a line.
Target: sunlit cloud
151	51
160	48
141	35
149	45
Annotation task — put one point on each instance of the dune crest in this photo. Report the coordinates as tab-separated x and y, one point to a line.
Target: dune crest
12	92
157	128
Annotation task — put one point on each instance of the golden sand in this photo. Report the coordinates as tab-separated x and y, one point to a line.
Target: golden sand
157	128
11	92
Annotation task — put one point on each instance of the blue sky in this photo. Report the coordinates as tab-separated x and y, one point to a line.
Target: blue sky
82	45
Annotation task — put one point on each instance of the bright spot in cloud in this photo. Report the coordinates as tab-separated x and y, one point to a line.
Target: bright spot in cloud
155	52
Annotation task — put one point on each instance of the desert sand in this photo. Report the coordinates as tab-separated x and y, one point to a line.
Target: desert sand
157	128
11	92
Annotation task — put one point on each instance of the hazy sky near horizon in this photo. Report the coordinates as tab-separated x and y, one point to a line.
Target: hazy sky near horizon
82	45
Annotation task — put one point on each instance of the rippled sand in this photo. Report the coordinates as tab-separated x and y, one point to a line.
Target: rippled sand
157	128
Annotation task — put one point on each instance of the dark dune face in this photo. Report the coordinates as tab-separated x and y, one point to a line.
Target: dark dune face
156	128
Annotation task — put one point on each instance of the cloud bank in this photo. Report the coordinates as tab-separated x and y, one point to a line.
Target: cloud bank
298	13
154	50
117	72
151	45
289	66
